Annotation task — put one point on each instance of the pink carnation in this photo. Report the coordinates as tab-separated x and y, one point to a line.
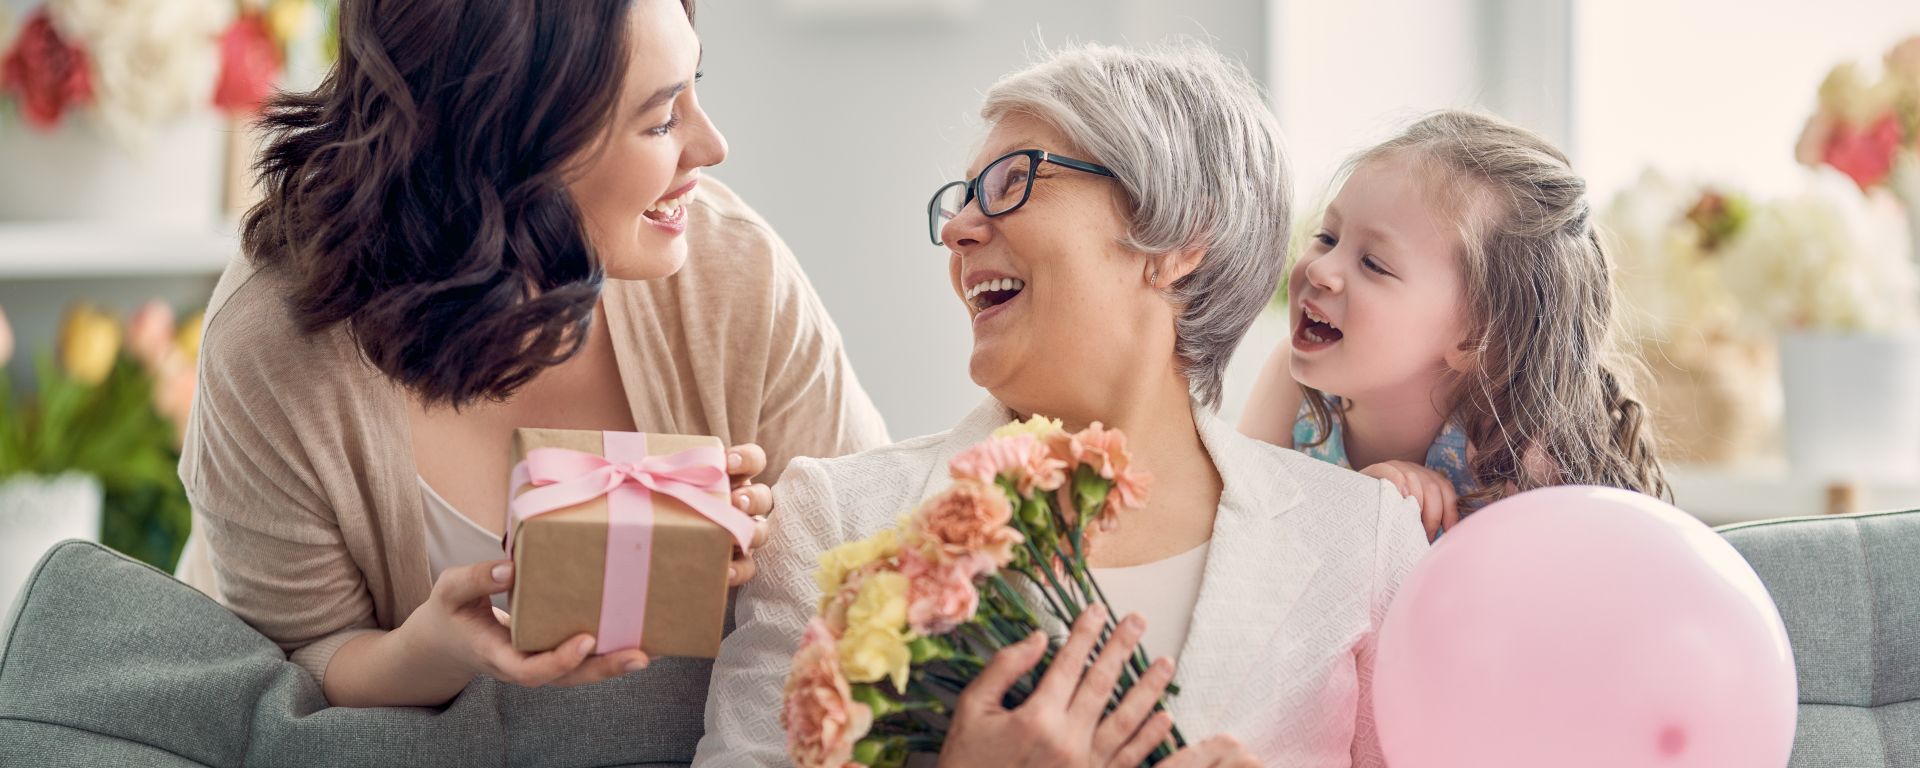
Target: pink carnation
822	720
1105	450
1020	459
969	522
940	596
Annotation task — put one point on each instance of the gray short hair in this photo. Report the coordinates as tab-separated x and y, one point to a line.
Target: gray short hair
1199	154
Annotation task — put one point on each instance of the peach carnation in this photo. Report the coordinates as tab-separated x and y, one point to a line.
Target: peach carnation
822	720
969	521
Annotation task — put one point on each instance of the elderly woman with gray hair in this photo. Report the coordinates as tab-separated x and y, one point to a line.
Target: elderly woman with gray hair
1123	224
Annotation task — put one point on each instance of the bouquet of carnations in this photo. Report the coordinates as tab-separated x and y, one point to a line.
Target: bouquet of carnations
909	617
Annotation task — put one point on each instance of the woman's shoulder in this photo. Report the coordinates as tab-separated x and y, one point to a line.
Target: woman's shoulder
885	471
249	325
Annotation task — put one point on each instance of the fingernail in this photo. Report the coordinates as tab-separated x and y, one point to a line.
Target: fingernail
733	459
636	665
1163	665
1098	611
742	500
1134	622
502	571
1036	637
585	645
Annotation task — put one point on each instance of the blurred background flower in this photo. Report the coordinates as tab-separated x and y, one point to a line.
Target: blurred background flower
45	73
1827	258
153	60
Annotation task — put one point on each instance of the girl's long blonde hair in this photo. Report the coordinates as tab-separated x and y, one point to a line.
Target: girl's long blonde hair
1544	395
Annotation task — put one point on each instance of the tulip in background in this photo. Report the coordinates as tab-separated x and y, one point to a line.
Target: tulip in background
114	413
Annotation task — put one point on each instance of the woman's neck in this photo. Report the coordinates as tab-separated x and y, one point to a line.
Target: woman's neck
1156	414
1386	427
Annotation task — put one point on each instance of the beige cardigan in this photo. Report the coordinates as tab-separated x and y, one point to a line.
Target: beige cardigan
299	461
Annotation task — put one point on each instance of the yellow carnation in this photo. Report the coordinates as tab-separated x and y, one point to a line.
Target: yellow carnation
1038	426
875	644
836	563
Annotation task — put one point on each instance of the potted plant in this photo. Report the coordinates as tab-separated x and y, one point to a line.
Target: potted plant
92	451
1829	268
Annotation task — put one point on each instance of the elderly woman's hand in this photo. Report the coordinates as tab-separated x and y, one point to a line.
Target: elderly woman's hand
1221	751
1061	724
744	462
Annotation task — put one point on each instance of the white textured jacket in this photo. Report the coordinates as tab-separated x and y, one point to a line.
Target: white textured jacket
1304	560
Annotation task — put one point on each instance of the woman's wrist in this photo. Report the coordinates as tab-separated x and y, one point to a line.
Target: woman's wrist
397	668
421	658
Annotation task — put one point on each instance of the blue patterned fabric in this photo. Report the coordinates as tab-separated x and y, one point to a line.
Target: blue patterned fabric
1447	455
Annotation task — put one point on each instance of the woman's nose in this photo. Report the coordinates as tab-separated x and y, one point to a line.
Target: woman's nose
707	147
967	230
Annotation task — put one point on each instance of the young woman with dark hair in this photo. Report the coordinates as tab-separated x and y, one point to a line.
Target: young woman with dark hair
478	222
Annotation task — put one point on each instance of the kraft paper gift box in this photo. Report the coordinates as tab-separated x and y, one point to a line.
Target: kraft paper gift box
622	535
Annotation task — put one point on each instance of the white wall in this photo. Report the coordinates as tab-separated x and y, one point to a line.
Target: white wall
1713	89
841	127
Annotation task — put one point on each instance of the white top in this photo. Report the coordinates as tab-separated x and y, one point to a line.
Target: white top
1163	592
454	540
1303	561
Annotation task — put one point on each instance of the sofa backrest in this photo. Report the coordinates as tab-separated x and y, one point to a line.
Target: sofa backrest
1848	589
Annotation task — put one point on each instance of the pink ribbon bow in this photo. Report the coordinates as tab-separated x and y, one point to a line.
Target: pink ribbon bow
628	477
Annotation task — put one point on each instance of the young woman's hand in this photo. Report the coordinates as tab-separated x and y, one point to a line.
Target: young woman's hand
1061	724
1439	503
1221	751
744	462
458	633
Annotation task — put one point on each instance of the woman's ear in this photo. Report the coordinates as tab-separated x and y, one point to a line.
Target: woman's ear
1167	268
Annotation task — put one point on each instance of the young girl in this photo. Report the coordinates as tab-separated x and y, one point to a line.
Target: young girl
1451	321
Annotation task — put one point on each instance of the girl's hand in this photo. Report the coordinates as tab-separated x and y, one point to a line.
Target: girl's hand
458	634
1439	503
743	463
1062	722
1221	751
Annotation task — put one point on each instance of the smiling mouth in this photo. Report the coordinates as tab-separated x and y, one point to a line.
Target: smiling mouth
992	293
1314	332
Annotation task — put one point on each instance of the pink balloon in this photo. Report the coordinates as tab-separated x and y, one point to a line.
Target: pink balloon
1579	626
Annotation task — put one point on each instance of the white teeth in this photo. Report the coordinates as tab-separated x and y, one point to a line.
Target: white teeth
667	207
1002	284
1319	318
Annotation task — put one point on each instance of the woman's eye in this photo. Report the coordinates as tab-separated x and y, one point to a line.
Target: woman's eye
673	121
1324	239
1369	263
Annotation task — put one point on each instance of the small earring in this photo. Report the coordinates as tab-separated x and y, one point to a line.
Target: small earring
1153	276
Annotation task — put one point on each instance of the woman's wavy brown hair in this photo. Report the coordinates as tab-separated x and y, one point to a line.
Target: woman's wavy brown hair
419	194
1546	397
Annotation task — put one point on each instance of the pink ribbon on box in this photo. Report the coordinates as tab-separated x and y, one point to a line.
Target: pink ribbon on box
628	477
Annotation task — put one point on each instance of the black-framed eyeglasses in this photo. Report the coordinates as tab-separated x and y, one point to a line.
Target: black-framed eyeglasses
1001	188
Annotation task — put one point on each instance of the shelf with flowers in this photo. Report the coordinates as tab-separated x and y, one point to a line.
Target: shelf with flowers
1802	309
133	111
92	452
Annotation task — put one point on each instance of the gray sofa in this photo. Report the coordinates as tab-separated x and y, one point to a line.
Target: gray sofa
109	662
1848	588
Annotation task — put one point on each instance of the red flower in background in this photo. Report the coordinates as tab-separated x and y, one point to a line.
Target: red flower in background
249	62
1865	155
46	73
